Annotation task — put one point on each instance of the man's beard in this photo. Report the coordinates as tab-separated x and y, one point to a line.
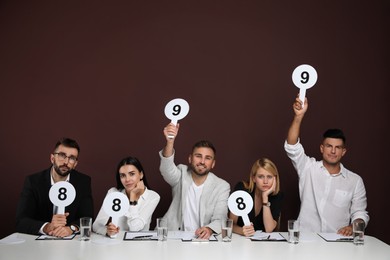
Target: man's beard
60	172
194	170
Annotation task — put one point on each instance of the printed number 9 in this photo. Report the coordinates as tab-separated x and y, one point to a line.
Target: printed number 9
240	203
305	77
116	205
176	110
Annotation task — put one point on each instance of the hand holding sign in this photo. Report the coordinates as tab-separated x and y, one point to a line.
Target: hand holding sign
116	204
175	110
304	77
62	194
240	203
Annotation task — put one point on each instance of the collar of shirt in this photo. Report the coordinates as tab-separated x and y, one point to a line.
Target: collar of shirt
342	171
52	180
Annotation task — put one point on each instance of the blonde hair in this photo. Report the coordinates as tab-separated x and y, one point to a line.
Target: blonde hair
267	165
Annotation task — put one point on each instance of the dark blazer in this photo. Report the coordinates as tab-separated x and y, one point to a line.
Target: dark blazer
35	208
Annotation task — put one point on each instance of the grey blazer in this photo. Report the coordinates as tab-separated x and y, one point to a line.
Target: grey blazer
213	202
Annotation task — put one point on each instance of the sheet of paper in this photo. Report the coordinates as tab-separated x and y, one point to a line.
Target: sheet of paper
333	237
147	235
186	235
262	236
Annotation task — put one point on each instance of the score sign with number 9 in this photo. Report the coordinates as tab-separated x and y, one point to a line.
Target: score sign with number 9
176	109
62	194
240	203
304	77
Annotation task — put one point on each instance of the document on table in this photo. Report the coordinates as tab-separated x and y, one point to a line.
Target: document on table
47	237
261	236
188	236
137	236
334	237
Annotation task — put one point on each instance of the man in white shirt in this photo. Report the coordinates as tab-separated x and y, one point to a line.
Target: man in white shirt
199	198
332	197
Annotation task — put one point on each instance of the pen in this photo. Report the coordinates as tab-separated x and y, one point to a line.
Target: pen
109	221
139	237
344	239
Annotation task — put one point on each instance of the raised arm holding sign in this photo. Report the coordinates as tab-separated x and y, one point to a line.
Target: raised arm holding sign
195	180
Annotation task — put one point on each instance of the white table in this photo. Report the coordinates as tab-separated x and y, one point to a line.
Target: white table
310	247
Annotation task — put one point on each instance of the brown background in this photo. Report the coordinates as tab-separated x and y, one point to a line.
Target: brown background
101	72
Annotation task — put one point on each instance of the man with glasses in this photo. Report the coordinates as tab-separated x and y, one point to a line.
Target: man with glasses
332	197
36	214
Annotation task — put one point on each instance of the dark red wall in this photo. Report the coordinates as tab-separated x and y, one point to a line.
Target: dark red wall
101	72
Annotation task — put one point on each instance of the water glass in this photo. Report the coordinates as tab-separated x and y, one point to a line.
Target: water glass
227	227
358	232
162	229
85	228
293	231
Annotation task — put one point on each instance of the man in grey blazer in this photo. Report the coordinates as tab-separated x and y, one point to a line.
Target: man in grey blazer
199	198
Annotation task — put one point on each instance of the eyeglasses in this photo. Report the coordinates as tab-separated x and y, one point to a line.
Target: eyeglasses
63	156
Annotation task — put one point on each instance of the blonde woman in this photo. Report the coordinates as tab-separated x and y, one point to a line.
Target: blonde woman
263	185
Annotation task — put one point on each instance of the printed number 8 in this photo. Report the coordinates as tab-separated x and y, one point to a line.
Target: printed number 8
176	110
117	205
62	194
240	203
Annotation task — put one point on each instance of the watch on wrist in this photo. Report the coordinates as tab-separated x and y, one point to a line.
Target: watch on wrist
133	203
268	204
73	228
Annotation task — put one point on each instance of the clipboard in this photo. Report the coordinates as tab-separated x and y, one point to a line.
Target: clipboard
47	237
334	237
269	237
212	238
140	236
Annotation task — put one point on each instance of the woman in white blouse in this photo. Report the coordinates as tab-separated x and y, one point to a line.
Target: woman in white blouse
131	181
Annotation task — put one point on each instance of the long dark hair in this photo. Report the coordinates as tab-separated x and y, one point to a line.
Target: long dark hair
129	161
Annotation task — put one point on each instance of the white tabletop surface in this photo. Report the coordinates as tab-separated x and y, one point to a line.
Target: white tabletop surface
310	247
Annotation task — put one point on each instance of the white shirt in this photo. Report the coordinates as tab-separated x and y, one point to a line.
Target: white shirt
137	218
191	212
328	202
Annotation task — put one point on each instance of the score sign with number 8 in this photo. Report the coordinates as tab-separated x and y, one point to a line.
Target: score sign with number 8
62	194
116	204
240	203
304	77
